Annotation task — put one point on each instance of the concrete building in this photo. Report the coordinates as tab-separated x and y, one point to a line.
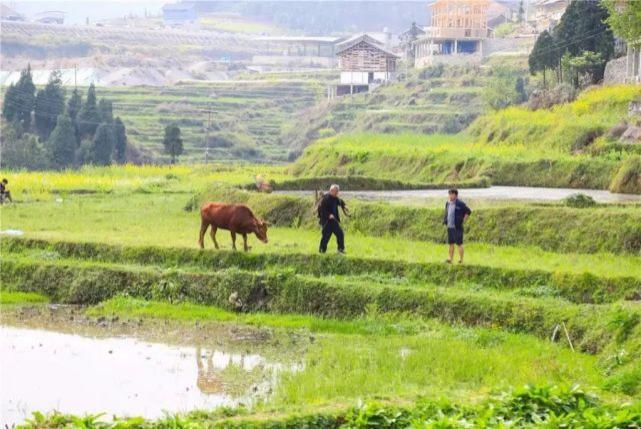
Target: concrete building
179	14
296	51
548	13
364	63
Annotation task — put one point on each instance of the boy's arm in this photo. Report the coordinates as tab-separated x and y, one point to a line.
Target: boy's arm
467	211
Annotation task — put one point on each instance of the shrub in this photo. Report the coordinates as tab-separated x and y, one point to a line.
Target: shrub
579	201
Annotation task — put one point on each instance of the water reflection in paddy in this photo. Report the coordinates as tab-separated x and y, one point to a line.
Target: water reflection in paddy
45	371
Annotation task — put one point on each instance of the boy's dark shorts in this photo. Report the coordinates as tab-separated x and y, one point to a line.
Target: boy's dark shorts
455	236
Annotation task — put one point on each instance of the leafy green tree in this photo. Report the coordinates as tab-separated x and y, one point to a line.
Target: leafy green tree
88	117
62	143
103	144
22	151
50	103
625	20
20	99
105	110
544	55
583	28
578	67
172	142
120	135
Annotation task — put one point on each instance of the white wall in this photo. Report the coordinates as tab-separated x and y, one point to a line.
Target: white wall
354	78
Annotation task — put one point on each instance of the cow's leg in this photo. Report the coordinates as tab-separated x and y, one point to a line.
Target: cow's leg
213	236
233	240
203	230
245	243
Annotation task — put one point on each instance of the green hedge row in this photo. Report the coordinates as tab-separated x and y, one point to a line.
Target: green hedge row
579	288
591	326
560	229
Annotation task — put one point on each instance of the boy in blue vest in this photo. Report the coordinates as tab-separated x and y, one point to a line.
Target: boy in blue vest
456	213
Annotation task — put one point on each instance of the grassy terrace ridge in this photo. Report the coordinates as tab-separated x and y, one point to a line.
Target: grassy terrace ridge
580	287
593	327
438	99
247	120
566	146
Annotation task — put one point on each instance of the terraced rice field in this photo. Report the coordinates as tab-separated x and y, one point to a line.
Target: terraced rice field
247	117
387	332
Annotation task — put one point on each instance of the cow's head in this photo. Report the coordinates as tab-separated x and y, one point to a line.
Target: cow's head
261	230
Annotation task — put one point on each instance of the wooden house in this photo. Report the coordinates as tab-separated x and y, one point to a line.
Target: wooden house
364	62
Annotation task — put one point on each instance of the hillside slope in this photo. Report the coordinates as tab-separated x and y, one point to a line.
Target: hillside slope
247	117
435	100
566	146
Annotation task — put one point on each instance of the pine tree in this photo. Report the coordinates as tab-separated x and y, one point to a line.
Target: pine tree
88	117
73	108
62	143
105	110
120	135
103	144
583	28
20	99
74	104
544	55
50	103
10	104
172	142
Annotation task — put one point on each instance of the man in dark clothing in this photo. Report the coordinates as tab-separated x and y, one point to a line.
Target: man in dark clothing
330	219
456	212
4	192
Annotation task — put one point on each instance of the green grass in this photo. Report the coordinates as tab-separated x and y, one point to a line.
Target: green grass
559	147
10	297
389	321
127	307
560	128
391	357
131	179
159	219
460	365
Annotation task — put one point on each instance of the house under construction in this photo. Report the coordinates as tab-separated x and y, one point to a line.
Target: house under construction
458	27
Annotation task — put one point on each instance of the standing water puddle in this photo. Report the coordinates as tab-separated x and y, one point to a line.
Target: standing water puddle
46	371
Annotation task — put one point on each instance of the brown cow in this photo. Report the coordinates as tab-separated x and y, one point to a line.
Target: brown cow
236	218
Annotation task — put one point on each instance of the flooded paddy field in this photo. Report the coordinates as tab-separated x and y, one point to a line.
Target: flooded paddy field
55	358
